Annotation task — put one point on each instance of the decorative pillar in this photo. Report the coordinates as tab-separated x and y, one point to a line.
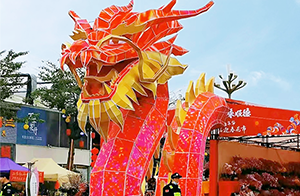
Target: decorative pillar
213	163
71	155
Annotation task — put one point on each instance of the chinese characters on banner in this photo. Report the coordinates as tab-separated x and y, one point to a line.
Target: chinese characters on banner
244	119
20	176
230	123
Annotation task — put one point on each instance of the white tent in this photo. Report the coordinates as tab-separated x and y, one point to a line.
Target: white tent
52	171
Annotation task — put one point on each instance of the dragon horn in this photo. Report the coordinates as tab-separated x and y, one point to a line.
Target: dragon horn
168	8
80	24
180	14
131	3
161	15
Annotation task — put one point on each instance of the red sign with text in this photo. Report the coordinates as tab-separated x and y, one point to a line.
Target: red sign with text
20	176
245	119
6	151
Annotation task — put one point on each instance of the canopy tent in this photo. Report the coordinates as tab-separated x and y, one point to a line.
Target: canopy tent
52	171
6	165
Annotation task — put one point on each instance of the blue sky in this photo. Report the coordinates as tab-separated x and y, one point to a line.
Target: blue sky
259	39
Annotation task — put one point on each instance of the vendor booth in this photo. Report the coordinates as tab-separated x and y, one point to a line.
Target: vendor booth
17	173
52	171
6	165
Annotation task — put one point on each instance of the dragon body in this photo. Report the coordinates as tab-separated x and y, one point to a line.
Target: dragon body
188	129
125	96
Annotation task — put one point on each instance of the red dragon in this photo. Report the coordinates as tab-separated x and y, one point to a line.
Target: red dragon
124	91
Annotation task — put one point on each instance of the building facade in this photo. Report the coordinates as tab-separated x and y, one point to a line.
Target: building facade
42	140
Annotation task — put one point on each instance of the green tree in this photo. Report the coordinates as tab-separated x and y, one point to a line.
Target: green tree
10	81
61	92
229	86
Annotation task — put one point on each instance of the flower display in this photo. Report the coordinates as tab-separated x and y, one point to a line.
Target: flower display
263	177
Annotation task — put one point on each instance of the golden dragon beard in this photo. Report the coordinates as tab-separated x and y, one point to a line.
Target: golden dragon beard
123	56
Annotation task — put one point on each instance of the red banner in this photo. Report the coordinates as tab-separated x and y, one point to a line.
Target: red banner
20	176
5	151
245	119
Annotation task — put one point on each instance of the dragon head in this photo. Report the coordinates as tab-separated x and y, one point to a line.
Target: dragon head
123	54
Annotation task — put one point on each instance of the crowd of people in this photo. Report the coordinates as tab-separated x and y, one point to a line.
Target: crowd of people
7	188
171	189
18	189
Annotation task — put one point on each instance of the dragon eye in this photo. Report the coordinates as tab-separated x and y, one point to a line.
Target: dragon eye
115	41
121	42
111	42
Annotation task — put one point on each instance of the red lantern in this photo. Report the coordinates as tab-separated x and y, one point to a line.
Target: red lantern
81	144
92	164
68	131
93	135
94	157
57	185
93	160
95	151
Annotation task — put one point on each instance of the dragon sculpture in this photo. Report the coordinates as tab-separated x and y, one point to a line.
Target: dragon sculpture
125	96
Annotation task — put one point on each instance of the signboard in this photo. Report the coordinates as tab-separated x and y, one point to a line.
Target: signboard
34	183
5	151
42	134
250	120
20	176
49	133
37	132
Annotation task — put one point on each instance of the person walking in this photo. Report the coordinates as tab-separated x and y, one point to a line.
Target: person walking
7	189
173	189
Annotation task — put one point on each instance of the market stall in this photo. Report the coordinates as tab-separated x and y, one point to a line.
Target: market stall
52	171
6	165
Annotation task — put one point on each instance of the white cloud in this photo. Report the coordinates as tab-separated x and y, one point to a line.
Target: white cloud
259	77
255	77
